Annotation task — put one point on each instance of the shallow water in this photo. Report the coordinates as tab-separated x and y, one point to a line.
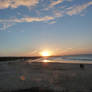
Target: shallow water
66	59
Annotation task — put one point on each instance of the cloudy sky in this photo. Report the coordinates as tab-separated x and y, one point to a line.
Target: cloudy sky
28	27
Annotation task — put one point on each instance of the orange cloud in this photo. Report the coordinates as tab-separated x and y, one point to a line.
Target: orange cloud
17	3
78	9
27	19
6	23
55	3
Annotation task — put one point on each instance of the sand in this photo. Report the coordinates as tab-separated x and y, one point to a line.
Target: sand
59	77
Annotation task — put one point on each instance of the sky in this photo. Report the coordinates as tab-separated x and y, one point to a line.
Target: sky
28	27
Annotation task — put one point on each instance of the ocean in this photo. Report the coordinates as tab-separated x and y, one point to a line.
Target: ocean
86	59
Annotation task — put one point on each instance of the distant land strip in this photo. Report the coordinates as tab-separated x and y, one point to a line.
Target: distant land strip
17	58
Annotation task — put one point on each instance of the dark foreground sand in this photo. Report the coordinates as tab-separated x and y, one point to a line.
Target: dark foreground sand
45	77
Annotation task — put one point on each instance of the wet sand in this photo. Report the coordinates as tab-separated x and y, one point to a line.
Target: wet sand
53	77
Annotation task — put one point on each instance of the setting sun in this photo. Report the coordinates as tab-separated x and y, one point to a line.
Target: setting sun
45	53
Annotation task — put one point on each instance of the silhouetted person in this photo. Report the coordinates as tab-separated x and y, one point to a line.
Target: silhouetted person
81	66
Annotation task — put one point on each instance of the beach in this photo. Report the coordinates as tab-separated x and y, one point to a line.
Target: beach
59	77
45	45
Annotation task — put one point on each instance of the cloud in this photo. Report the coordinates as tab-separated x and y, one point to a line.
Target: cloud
49	16
58	14
36	19
53	3
27	19
4	4
78	9
16	3
52	22
6	23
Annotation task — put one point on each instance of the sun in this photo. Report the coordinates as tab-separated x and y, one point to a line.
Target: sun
45	53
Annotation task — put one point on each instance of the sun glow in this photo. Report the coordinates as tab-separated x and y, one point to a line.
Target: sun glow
45	53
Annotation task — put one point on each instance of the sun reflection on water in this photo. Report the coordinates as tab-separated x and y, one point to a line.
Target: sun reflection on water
46	61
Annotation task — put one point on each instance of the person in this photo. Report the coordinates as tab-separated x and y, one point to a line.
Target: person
81	66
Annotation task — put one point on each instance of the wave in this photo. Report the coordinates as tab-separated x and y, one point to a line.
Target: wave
81	58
